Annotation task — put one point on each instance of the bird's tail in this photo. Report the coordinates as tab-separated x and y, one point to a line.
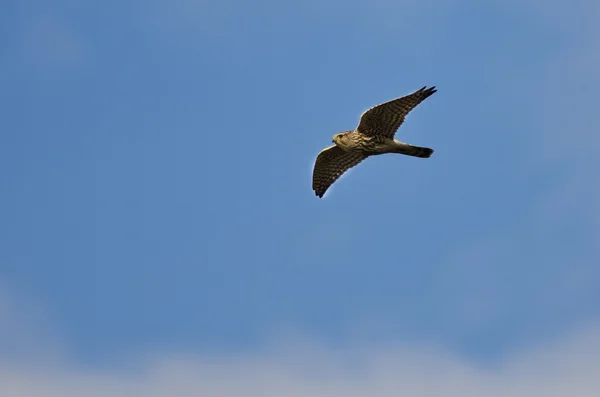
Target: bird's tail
416	151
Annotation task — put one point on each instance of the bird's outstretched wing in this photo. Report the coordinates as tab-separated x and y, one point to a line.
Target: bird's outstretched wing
386	118
331	163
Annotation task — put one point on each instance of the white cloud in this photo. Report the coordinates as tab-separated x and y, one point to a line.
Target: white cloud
566	368
293	367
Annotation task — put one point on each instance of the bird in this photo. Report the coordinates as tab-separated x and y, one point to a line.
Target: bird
373	136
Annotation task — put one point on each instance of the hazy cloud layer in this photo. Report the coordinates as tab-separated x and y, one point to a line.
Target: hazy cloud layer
568	367
39	367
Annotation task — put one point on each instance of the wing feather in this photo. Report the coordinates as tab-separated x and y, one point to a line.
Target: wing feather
385	119
331	163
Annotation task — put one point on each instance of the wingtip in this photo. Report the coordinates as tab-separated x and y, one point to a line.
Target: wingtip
429	91
426	90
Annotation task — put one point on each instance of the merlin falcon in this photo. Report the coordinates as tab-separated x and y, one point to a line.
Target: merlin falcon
373	136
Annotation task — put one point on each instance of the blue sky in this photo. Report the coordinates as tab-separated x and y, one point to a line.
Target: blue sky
155	170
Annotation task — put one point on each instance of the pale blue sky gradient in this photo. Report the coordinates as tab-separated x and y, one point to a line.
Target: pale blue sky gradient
156	159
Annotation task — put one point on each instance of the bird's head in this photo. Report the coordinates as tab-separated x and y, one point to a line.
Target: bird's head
338	139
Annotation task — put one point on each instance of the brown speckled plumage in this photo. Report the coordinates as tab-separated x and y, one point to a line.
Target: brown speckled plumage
374	135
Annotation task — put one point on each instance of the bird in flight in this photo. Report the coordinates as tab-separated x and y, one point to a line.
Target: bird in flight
374	135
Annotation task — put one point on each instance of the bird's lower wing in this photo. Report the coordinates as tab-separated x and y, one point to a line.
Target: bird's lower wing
331	163
386	118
